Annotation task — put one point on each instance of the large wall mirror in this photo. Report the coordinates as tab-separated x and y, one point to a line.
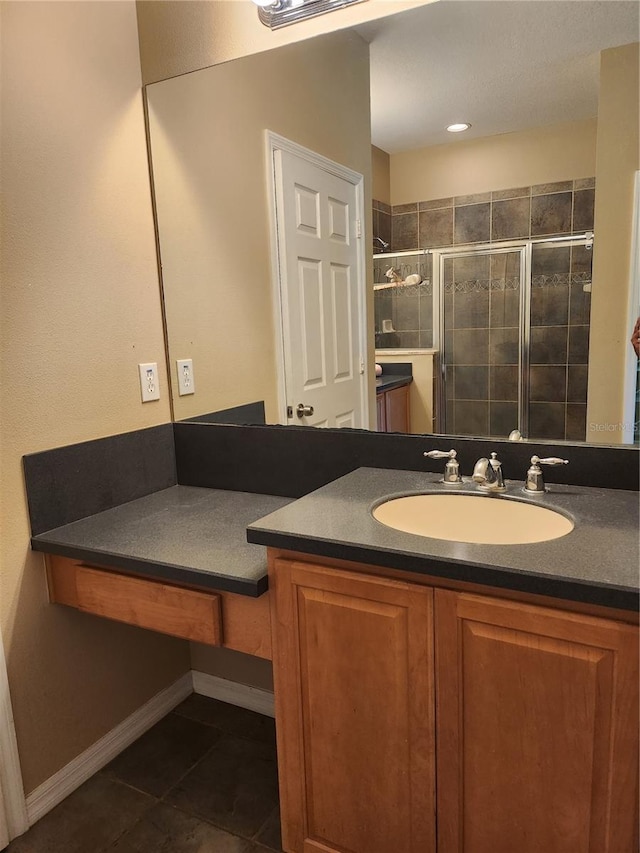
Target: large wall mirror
502	266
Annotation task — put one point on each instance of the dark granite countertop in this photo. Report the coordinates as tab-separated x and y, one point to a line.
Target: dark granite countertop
391	381
597	562
183	534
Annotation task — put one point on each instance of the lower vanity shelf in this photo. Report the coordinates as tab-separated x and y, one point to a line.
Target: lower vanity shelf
237	622
523	718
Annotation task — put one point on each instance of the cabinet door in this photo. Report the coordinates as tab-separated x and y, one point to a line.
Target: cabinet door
537	729
381	412
397	409
354	711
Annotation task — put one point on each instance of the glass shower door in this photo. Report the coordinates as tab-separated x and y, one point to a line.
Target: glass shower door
483	308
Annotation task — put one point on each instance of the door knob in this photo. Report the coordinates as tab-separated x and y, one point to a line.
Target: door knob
303	411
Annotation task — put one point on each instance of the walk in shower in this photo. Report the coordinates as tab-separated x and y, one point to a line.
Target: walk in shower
510	324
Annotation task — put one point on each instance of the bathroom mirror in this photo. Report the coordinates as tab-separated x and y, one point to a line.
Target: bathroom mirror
209	164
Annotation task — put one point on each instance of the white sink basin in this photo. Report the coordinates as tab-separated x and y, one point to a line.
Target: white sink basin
481	519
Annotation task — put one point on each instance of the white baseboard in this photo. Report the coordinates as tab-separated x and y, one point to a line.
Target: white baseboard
48	795
242	695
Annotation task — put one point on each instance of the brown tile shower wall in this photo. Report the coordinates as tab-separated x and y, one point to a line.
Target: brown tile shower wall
381	221
553	209
485	391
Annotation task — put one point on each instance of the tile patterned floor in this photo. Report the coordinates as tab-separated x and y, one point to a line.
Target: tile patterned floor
202	780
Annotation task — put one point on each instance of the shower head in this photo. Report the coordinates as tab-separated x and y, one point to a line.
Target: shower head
379	243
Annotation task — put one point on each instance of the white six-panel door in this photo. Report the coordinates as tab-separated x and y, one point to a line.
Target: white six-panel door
322	281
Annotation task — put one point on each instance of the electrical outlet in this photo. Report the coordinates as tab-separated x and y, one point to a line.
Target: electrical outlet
149	385
186	384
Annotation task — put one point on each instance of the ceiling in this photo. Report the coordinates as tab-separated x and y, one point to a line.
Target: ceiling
501	65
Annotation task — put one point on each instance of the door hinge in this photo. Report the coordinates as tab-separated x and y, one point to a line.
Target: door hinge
358	228
361	365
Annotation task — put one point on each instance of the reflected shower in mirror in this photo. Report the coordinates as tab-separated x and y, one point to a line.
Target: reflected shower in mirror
504	319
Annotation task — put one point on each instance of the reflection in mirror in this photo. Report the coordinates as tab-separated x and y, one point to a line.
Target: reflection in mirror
488	294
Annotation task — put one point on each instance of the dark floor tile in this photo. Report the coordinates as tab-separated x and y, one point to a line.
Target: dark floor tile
159	759
270	835
165	829
87	821
235	786
229	718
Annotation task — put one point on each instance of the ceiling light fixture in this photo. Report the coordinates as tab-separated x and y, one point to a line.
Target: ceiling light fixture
458	128
280	13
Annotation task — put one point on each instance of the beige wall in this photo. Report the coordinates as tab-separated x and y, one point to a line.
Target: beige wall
618	158
177	36
539	156
381	176
209	162
80	309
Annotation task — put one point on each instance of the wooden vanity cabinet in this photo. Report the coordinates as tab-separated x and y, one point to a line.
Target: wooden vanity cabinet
217	618
534	711
537	728
393	410
353	678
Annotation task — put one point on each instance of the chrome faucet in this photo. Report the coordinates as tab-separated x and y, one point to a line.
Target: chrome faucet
451	469
488	474
535	480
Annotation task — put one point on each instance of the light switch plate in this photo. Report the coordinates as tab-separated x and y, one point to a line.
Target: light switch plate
186	383
149	385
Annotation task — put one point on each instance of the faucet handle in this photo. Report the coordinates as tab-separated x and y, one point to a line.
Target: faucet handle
535	480
549	460
440	454
451	469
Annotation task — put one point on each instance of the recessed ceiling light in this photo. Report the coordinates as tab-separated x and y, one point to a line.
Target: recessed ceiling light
458	128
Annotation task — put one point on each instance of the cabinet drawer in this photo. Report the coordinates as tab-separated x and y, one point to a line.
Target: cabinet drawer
184	613
238	622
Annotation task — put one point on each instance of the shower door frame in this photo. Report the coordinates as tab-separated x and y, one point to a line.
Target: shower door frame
525	248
